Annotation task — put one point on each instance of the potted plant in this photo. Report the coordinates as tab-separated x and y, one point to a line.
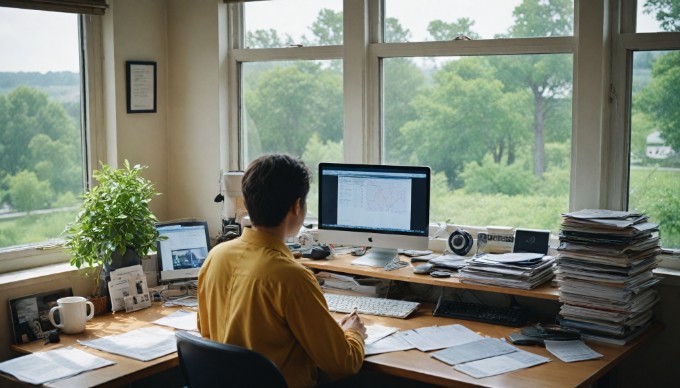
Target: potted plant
115	227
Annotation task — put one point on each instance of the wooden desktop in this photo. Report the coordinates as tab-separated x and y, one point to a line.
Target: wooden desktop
411	364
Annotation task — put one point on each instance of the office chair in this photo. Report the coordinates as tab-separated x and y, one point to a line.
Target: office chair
207	363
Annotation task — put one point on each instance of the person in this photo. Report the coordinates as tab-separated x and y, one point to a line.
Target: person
253	293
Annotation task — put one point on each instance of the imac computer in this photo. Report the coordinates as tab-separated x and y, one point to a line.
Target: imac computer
379	206
183	251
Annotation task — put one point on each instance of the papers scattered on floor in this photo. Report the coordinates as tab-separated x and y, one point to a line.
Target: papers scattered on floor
143	344
42	367
570	351
181	319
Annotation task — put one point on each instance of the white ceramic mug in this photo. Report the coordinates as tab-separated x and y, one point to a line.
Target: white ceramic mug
72	313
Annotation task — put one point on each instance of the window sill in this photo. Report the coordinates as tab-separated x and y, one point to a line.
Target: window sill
44	273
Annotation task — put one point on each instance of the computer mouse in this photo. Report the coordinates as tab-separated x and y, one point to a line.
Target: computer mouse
317	252
423	268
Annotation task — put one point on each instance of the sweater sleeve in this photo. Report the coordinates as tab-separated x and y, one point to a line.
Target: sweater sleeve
336	352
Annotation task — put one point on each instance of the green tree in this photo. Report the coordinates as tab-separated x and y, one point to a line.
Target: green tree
267	39
661	98
441	30
465	110
395	32
27	192
326	29
547	77
667	13
288	104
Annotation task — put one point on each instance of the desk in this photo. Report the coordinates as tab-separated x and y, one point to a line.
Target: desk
343	263
126	370
411	364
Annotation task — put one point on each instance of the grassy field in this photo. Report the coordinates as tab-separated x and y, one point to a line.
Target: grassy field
653	191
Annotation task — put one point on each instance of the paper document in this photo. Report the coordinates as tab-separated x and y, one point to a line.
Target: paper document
42	367
391	343
143	344
377	332
570	351
440	337
128	290
501	364
187	301
182	319
472	351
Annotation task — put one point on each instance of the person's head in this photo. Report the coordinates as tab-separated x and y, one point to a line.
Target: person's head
271	185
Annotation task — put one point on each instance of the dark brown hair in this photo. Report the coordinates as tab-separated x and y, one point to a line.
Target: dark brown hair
271	184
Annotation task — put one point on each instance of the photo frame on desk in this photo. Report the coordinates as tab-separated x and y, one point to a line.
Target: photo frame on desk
140	90
29	314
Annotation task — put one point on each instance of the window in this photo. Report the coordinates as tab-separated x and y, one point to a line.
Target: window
519	121
495	128
41	155
291	83
654	159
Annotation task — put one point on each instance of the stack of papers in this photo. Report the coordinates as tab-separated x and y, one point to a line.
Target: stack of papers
516	270
604	271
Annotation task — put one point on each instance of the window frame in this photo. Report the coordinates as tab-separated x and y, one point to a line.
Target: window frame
93	142
625	41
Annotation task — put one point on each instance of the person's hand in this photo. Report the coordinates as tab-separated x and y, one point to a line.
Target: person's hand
353	321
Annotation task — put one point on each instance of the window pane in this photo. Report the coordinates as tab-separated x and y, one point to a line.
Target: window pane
658	16
293	22
294	107
41	162
655	141
496	131
437	20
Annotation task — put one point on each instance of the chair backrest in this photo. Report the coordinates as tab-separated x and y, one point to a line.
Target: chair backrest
207	363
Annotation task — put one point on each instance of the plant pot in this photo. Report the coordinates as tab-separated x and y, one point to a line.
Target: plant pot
101	304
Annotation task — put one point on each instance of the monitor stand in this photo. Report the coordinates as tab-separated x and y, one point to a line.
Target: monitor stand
378	257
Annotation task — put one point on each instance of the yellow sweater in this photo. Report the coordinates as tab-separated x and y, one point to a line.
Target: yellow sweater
253	293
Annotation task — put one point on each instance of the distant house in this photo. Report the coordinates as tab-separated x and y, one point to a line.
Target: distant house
656	147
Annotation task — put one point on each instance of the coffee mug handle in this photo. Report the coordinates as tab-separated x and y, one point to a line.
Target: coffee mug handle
51	316
91	314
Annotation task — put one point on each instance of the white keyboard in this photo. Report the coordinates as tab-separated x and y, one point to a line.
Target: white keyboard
371	306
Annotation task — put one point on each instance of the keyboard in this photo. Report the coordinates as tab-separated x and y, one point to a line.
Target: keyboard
506	316
370	305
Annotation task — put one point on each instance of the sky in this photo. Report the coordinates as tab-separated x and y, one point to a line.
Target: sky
48	41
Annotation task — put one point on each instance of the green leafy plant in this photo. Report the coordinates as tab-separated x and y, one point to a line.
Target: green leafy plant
114	217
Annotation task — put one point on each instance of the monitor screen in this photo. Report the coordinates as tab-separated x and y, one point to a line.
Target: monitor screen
378	206
181	255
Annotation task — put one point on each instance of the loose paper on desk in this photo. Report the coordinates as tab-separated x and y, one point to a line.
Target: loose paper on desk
128	290
440	337
391	343
143	344
501	364
181	319
375	333
570	351
42	367
472	351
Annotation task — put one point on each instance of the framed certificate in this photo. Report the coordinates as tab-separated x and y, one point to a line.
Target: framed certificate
141	86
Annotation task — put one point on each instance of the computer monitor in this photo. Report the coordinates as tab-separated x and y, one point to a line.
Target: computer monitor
182	253
384	207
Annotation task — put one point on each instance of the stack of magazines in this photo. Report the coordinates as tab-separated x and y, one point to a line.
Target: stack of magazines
516	270
604	271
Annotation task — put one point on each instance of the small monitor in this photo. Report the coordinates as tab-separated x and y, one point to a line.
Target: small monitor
182	253
380	206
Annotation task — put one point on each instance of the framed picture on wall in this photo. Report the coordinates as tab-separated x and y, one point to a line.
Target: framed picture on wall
29	314
140	89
